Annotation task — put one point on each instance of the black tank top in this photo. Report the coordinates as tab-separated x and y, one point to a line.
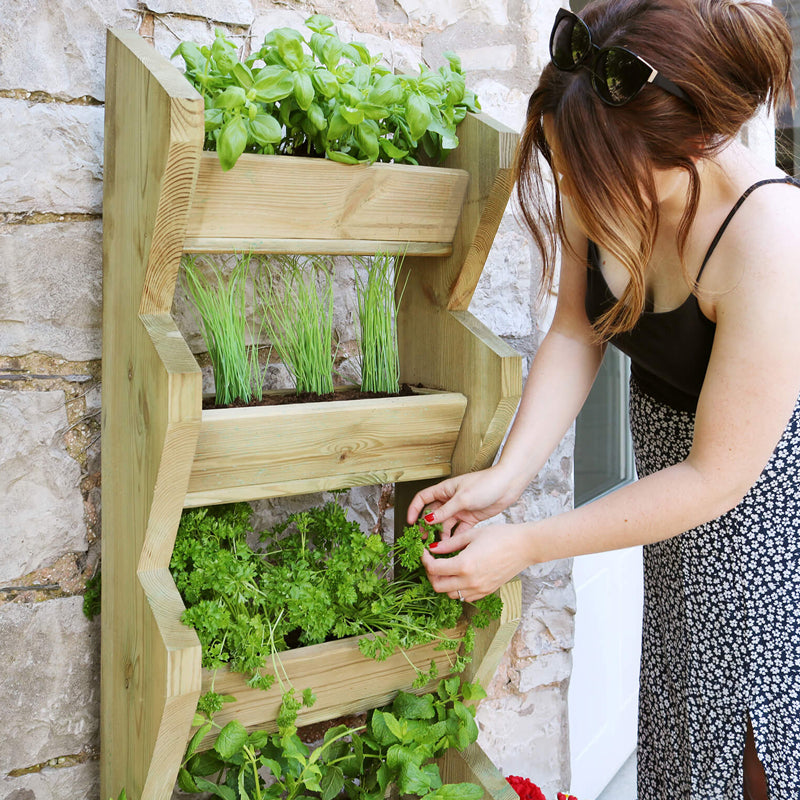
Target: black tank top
669	350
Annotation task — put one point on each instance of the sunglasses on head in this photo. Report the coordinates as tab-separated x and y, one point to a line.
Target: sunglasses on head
617	74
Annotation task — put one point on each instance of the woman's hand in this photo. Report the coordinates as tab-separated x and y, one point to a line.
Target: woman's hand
464	500
488	557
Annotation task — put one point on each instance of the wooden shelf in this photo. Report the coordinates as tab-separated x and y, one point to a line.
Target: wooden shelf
242	454
161	453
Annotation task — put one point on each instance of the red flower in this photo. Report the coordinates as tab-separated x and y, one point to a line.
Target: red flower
525	789
564	796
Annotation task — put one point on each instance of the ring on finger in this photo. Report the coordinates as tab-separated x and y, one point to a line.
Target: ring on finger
460	596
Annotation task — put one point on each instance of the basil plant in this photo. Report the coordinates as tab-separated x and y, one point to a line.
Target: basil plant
322	97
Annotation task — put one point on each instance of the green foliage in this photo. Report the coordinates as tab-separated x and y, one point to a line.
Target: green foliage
221	303
318	578
299	318
91	596
323	97
396	747
377	317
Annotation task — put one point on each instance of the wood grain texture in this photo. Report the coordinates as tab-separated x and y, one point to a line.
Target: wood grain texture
468	357
492	641
275	197
332	444
345	247
344	681
474	766
150	675
162	195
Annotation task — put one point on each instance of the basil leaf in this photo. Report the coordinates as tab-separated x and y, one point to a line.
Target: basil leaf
266	129
243	74
353	116
395	153
231	143
418	114
303	90
331	52
191	55
273	83
387	91
317	117
338	126
342	158
232	97
224	53
214	117
325	83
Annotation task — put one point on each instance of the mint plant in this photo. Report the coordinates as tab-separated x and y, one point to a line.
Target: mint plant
396	747
323	97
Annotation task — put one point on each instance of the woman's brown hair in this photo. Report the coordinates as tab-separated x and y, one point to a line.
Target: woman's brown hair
729	57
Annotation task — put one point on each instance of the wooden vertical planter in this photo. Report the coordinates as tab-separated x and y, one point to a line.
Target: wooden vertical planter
163	196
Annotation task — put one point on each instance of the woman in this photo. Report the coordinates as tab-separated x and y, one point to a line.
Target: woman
682	249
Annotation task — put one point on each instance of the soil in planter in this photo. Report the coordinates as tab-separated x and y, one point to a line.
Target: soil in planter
289	398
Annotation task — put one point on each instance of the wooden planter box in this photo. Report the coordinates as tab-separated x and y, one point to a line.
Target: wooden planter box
242	453
163	197
313	205
343	680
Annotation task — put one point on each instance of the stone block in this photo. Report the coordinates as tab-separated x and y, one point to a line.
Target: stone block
506	104
267	19
398	56
502	300
79	782
54	160
50	289
493	58
58	47
442	13
235	12
528	736
49	685
545	670
41	509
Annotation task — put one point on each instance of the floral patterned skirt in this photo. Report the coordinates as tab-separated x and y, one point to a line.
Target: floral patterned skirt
721	628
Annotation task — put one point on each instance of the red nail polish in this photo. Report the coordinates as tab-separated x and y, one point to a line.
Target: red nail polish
434	544
429	517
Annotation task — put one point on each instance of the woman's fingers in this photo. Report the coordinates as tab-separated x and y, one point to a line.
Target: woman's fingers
428	498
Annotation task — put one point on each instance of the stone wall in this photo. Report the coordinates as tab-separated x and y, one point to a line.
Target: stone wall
51	101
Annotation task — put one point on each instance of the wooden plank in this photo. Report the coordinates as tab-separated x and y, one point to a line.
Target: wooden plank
328	483
474	766
344	681
333	443
468	357
487	148
492	641
151	387
355	247
278	197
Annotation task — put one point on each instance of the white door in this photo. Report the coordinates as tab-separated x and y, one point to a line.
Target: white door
605	660
603	688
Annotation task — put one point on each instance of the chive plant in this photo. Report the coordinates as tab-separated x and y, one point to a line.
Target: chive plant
376	285
221	303
299	318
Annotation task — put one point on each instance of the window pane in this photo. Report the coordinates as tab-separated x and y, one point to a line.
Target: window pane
603	458
787	122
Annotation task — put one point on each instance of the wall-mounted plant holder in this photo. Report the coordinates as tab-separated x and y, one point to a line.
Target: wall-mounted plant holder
161	452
